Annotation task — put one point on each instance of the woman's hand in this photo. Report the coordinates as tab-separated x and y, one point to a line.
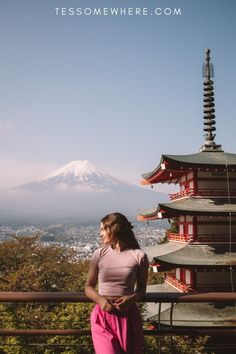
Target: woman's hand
124	302
105	304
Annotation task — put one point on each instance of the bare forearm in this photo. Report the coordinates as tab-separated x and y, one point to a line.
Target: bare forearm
98	299
93	294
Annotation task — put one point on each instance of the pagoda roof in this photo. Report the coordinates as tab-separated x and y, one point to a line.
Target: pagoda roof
199	256
190	206
179	164
189	314
197	315
219	158
162	249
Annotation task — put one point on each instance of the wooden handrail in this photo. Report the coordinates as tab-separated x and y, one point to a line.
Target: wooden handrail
76	297
47	297
86	332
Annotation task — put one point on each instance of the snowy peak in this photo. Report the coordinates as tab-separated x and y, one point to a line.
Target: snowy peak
76	169
81	176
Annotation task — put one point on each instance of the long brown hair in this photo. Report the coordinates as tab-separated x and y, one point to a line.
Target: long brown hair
120	228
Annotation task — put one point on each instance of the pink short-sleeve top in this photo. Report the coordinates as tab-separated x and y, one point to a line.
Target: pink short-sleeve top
117	272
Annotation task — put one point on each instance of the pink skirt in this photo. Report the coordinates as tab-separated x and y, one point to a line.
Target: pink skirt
117	332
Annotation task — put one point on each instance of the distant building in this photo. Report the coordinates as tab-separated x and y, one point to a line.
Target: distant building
200	254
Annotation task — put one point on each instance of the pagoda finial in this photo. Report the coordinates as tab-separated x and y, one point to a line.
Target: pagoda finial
209	107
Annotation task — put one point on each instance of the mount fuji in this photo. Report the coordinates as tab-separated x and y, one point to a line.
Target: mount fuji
77	191
80	176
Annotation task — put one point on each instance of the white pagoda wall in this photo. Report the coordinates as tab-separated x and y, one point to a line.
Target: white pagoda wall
184	275
186	181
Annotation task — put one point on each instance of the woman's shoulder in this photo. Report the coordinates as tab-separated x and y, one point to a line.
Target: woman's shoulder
139	251
99	252
140	255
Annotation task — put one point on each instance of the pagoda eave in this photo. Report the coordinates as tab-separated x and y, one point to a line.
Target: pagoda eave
141	217
190	206
162	249
199	257
163	176
172	167
166	266
197	315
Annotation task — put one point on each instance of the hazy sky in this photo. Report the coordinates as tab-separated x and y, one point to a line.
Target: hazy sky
118	91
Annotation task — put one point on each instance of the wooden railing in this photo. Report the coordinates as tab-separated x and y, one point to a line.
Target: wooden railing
159	298
203	193
170	279
173	236
181	194
201	238
62	297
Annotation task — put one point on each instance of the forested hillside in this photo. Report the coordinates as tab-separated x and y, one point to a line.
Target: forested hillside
28	265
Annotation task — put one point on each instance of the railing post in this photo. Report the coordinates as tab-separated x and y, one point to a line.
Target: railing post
159	316
171	314
158	338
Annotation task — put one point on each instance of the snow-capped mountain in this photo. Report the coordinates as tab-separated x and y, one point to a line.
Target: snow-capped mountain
77	190
81	176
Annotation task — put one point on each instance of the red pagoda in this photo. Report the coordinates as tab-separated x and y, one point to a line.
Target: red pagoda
200	254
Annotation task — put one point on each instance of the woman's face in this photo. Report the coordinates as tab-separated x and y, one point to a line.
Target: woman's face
106	238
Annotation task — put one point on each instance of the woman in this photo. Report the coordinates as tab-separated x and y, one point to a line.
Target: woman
120	263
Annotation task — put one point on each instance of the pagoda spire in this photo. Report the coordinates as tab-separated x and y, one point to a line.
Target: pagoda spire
209	107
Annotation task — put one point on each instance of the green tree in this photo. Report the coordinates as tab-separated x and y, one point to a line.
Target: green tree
28	265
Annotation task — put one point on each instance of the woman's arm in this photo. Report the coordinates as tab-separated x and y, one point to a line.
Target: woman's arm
90	289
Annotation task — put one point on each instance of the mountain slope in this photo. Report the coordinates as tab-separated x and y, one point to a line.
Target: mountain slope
78	190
